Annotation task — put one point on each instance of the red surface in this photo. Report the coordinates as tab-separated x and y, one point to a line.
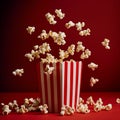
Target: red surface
101	16
103	115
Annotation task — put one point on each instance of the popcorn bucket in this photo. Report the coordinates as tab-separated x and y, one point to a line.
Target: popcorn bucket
62	87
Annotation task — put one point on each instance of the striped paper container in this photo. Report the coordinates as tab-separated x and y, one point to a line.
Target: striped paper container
62	87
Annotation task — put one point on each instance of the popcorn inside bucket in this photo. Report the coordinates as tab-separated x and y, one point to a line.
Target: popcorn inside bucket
62	87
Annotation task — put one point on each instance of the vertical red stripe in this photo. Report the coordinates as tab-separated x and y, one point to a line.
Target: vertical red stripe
58	86
71	82
65	82
52	92
76	90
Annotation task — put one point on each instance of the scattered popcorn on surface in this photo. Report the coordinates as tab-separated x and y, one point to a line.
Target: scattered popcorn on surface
30	29
23	109
105	43
90	101
92	66
98	106
18	72
108	107
80	47
50	18
80	25
93	81
86	54
43	108
69	24
49	69
67	110
43	35
5	109
85	32
118	100
59	13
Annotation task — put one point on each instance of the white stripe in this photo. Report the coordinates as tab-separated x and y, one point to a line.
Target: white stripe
62	67
55	88
68	84
79	76
49	92
42	83
74	84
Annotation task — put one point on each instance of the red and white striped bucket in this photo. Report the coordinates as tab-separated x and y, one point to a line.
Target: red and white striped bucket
62	87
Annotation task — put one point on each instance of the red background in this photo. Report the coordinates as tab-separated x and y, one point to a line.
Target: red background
101	16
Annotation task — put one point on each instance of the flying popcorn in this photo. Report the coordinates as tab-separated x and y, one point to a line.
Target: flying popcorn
49	59
80	47
18	72
69	24
30	29
85	32
71	49
92	66
105	43
86	54
49	69
93	81
43	35
63	54
50	18
80	25
59	13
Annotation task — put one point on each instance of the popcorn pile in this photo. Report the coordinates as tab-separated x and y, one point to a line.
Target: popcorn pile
29	105
84	107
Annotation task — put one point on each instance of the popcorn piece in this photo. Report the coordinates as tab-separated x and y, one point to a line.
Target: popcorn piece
48	69
71	49
50	18
69	24
80	47
43	108
30	29
105	43
23	109
90	101
80	25
29	56
85	32
93	66
18	72
108	107
63	54
58	37
35	54
45	47
82	108
93	81
43	35
36	47
59	13
5	109
85	54
80	100
49	59
67	110
118	100
98	106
